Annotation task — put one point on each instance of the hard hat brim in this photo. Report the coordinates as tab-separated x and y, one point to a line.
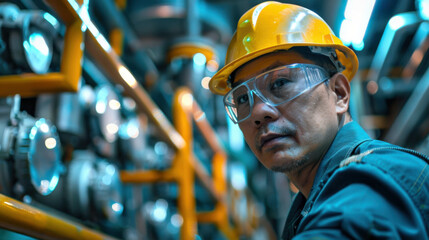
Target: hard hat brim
218	83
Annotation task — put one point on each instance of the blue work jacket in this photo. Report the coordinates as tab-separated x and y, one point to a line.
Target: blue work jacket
364	189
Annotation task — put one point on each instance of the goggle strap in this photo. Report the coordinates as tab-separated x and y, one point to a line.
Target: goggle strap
331	54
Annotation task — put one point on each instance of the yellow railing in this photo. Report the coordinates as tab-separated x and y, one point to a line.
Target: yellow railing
111	64
186	166
22	218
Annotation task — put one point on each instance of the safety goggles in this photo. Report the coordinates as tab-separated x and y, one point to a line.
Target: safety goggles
274	87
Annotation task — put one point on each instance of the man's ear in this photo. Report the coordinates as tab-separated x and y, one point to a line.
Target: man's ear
340	85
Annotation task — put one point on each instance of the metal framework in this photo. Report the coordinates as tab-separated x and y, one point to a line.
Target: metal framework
32	84
186	166
22	218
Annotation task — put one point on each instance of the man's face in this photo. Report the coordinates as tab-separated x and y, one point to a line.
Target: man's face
292	135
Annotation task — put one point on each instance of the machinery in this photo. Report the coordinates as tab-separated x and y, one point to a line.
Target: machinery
108	129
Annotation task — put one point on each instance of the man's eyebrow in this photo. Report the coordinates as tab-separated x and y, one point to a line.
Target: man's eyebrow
273	65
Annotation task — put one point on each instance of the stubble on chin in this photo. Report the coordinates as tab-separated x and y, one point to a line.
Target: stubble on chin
291	166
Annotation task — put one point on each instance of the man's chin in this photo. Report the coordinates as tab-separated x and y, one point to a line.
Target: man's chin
283	168
289	166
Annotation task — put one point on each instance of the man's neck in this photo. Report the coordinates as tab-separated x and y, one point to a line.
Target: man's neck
303	178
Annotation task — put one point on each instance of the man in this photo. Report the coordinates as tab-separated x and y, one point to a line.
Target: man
286	84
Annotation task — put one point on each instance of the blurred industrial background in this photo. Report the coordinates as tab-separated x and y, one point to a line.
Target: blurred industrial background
108	129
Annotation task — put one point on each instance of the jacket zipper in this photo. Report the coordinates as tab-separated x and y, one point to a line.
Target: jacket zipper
414	152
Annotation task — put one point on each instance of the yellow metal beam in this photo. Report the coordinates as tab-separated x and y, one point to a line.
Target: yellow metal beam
184	108
219	172
186	167
206	180
205	128
151	176
22	218
116	37
121	4
113	66
186	201
109	61
219	217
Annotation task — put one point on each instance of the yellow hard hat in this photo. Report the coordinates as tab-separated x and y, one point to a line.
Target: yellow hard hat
272	26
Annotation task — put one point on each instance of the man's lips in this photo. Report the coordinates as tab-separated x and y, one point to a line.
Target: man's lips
268	138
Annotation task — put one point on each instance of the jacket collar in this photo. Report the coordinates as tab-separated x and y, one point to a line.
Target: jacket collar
345	142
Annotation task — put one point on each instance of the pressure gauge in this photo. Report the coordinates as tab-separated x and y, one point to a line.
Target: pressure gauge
94	188
37	50
6	142
30	35
107	191
38	154
107	107
133	141
5	178
79	175
163	217
65	111
107	119
7	137
30	149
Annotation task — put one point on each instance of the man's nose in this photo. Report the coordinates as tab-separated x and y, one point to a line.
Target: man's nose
262	112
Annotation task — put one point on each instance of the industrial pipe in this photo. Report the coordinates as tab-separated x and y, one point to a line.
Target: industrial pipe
22	218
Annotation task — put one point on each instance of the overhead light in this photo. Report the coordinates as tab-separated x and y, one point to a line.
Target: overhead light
356	19
199	59
423	8
397	22
28	36
358	46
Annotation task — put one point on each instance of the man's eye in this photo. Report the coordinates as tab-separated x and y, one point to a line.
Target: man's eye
242	99
279	83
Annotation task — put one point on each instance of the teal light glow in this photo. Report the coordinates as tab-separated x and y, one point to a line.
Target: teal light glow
355	23
423	7
199	59
51	19
358	46
82	10
396	22
37	40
